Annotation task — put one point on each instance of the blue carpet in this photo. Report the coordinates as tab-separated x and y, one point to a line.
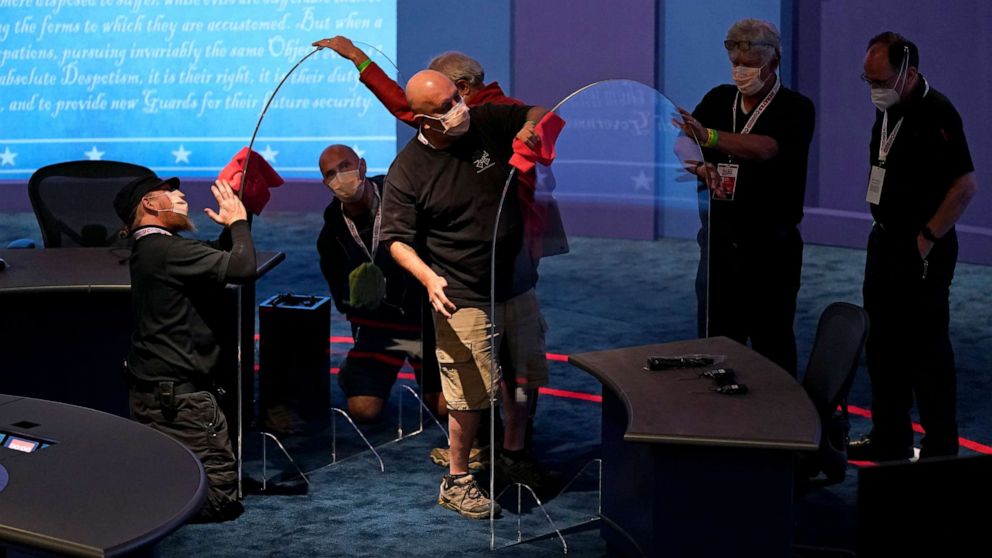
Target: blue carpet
606	293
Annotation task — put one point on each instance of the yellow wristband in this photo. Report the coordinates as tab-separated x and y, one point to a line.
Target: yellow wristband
711	138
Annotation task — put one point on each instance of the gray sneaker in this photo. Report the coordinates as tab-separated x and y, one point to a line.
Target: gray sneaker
464	496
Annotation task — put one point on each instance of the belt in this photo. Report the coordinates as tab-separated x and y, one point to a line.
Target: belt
149	386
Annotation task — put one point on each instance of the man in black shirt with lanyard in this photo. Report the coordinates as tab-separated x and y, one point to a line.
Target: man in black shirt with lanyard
380	299
921	181
177	299
756	138
441	202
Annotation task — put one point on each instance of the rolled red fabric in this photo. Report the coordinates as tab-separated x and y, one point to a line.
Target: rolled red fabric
261	176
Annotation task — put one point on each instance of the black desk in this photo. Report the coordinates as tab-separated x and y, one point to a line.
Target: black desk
690	472
65	325
107	487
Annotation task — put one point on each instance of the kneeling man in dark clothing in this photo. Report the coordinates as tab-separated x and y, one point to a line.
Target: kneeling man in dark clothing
176	289
385	305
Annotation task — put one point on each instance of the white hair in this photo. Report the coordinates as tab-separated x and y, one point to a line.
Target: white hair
459	66
758	31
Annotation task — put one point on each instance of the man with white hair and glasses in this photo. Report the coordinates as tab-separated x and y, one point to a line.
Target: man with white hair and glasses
755	136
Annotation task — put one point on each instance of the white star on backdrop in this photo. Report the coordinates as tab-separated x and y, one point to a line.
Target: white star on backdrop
269	154
642	182
7	157
94	154
181	155
359	152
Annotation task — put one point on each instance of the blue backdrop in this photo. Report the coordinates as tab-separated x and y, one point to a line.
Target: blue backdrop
178	85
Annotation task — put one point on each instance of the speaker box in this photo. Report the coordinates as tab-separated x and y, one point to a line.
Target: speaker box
294	360
931	508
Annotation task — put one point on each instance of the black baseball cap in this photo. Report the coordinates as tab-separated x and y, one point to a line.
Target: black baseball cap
128	198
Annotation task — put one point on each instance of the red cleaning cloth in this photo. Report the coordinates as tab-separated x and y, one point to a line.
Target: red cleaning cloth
261	177
542	221
547	129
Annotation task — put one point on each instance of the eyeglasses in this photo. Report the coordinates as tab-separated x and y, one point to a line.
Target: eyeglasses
877	83
744	46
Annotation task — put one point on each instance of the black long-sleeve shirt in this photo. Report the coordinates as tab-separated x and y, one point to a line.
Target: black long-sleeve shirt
340	254
177	297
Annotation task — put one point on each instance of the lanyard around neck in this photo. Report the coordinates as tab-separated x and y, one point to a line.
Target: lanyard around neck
758	111
377	211
145	231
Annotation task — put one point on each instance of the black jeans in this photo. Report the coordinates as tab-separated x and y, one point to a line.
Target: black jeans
747	286
909	347
197	423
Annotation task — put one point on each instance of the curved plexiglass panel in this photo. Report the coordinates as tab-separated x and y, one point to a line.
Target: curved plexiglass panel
614	229
377	356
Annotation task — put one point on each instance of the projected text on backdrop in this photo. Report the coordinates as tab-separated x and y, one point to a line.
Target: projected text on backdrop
178	85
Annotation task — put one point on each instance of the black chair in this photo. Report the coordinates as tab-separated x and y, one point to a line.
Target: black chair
73	201
833	362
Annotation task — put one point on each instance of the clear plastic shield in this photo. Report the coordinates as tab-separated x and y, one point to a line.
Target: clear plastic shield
613	232
379	364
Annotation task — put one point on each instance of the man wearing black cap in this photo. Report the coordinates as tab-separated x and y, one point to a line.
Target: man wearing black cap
176	292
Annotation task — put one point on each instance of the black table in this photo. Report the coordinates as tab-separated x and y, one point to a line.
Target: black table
691	472
65	325
106	486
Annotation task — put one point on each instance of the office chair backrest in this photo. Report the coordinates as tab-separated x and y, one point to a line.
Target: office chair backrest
840	338
73	201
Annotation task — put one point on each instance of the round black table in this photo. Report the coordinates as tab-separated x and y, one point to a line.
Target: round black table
95	484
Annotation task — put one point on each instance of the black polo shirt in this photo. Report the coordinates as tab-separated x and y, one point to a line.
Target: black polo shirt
769	194
444	202
178	303
929	153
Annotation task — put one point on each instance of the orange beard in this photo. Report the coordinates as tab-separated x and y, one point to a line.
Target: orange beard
176	222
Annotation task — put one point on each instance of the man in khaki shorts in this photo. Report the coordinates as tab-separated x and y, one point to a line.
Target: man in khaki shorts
439	213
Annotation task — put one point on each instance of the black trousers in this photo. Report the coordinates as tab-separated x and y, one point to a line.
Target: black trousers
746	288
373	363
909	347
198	423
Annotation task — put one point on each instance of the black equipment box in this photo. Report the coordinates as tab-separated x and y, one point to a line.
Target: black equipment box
294	361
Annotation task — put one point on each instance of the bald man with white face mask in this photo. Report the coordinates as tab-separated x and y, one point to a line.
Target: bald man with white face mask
383	304
439	214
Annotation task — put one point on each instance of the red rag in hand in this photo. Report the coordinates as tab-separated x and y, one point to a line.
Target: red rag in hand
261	176
547	129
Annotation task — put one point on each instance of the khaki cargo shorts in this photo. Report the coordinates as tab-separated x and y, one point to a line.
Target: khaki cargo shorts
466	352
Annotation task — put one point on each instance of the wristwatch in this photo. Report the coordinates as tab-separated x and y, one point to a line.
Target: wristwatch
928	234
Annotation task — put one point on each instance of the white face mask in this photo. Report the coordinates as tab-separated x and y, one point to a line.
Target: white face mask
456	121
179	205
346	186
747	79
885	98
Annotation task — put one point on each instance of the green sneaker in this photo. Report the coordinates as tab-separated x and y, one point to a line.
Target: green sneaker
524	470
478	458
463	495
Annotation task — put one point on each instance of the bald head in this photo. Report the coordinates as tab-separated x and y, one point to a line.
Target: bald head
333	156
431	92
337	159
